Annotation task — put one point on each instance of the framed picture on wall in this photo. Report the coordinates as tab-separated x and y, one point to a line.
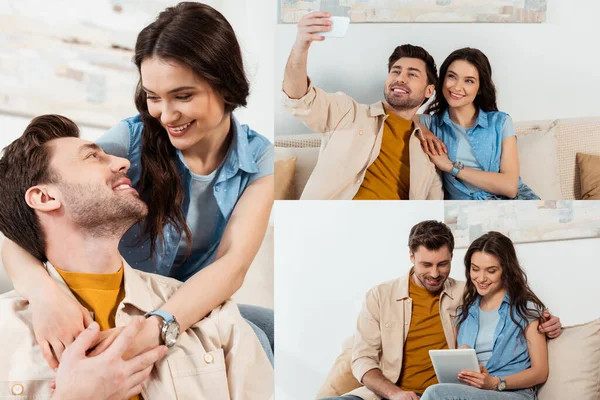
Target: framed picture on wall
524	11
523	221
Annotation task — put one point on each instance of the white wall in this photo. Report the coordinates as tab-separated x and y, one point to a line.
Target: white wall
328	254
252	20
541	71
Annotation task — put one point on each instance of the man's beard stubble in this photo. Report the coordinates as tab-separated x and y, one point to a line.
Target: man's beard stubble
99	214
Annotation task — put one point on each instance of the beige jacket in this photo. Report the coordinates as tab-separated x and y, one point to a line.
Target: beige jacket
383	325
218	358
352	142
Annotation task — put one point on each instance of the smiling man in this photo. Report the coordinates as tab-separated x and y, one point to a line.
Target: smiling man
402	319
371	152
67	202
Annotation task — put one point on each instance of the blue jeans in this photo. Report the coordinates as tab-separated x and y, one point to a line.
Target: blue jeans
455	391
262	322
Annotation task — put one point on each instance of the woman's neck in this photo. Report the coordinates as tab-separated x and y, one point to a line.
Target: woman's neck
208	153
464	116
492	301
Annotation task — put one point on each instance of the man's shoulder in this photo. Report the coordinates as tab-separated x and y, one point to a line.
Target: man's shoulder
162	286
390	287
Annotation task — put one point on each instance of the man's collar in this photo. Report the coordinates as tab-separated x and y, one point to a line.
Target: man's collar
136	291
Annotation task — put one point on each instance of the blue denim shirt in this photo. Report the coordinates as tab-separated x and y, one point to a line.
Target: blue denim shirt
510	354
485	138
237	171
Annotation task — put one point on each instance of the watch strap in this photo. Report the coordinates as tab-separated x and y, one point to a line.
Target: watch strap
455	171
167	317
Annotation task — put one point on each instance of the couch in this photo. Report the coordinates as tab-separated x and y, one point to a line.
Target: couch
256	290
574	367
547	153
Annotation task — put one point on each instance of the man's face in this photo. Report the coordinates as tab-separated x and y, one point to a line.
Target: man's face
406	86
432	267
93	187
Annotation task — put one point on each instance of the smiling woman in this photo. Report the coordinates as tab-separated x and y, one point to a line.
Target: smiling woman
206	178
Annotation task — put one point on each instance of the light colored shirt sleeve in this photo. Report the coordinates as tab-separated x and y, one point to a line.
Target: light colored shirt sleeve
508	129
264	164
116	141
367	339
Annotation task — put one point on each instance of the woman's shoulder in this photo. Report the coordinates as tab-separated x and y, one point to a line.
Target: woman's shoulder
497	116
256	143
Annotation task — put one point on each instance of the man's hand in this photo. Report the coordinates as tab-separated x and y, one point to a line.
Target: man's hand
402	395
551	325
481	380
146	339
106	376
308	28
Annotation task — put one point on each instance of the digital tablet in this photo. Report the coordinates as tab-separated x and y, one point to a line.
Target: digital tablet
448	363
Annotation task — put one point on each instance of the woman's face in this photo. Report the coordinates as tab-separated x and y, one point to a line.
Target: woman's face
486	273
186	105
461	84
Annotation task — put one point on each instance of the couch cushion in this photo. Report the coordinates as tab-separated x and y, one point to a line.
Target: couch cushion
574	361
285	179
575	135
538	162
589	175
340	379
306	159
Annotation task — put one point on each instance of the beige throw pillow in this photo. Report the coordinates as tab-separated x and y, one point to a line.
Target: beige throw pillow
340	379
285	177
574	362
589	175
539	163
306	159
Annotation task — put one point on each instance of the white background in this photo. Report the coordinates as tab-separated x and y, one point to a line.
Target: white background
542	71
329	254
252	20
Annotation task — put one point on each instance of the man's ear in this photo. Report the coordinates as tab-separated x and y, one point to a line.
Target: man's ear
412	257
42	198
429	91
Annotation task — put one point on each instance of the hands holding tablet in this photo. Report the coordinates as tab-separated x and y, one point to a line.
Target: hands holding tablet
481	380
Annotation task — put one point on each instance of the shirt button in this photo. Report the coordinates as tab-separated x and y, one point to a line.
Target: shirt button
208	358
387	325
360	132
17	389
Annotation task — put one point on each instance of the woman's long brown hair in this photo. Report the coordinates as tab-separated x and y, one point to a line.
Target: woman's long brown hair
514	279
197	36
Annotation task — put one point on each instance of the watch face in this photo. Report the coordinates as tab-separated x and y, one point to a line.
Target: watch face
502	385
171	334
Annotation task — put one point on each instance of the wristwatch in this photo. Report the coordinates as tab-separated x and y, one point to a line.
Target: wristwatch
169	331
457	166
502	385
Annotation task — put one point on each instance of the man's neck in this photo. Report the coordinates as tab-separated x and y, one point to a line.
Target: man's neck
403	113
77	252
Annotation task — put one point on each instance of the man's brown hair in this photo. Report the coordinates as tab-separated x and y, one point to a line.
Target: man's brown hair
410	51
432	235
26	163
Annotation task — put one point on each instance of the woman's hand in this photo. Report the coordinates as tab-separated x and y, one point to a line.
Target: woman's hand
442	162
481	380
57	320
432	146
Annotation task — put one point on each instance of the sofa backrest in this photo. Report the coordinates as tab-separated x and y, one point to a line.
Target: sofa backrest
552	143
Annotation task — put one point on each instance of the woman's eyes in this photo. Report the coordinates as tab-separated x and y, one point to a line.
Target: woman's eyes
180	97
